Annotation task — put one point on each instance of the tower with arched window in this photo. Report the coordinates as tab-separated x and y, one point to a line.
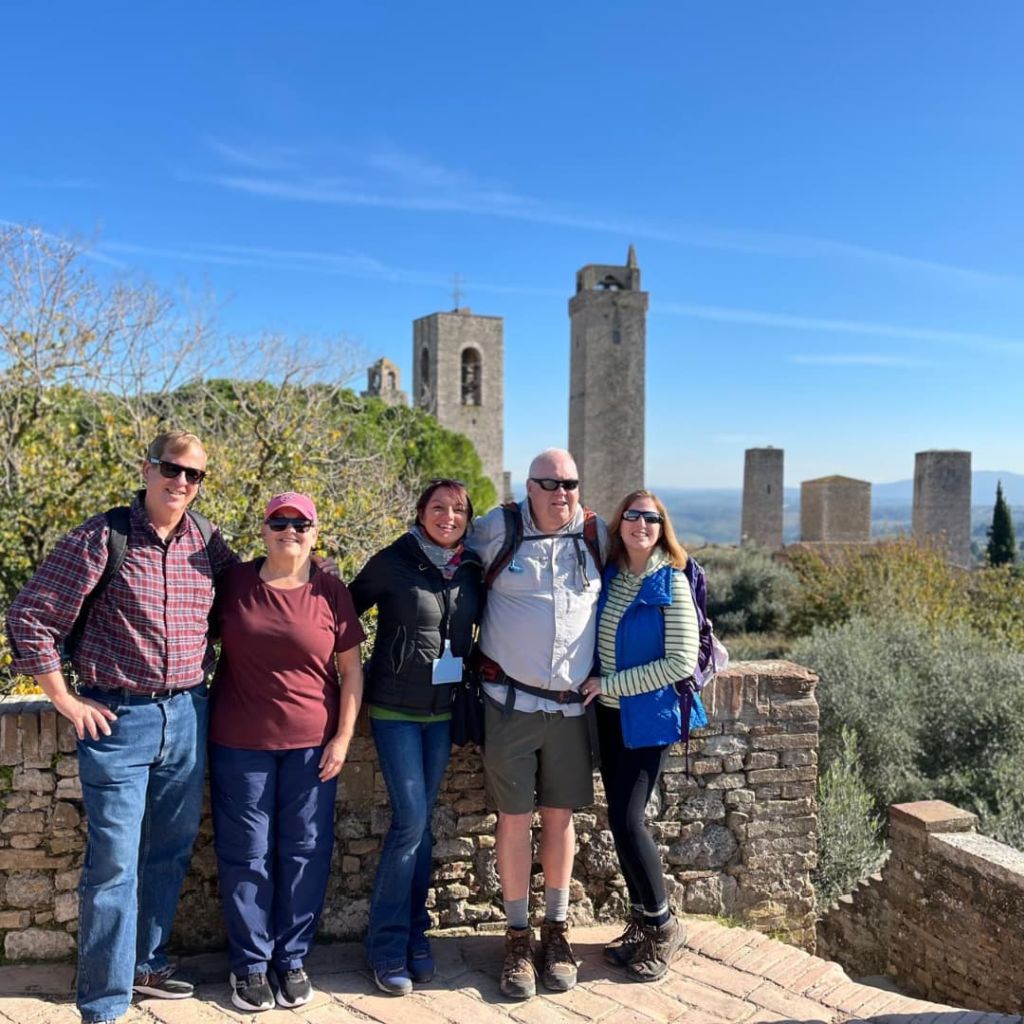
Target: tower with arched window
608	339
458	368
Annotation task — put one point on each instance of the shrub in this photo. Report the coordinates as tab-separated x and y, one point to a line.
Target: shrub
747	590
882	579
849	843
937	713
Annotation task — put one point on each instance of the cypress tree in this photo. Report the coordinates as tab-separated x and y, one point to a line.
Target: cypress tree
1002	545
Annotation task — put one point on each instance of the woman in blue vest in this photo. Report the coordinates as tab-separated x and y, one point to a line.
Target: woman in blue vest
647	643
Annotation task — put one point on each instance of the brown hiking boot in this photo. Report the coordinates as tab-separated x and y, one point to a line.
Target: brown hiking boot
620	950
558	964
518	975
660	946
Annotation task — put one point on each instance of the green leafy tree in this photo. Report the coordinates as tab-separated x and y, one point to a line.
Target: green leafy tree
1002	545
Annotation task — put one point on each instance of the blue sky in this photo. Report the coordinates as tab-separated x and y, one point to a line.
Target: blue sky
825	198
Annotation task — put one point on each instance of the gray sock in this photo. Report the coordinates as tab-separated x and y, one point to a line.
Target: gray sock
556	904
517	912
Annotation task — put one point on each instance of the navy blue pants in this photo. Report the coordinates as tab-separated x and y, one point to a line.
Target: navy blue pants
273	823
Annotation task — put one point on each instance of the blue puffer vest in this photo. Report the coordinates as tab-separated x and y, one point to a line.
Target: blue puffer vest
652	719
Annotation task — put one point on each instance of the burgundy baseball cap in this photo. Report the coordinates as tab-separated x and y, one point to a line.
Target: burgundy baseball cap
302	503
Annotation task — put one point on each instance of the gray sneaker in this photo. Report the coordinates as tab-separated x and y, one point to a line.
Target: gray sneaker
293	988
251	993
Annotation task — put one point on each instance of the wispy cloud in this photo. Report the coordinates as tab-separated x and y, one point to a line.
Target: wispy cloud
389	177
759	318
259	159
856	359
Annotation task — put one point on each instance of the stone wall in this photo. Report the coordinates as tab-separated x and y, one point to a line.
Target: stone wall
737	830
944	917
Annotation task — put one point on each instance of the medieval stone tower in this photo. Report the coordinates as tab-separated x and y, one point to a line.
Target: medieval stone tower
608	314
761	521
384	381
458	372
942	503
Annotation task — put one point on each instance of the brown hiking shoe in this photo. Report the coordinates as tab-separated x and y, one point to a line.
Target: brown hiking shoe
558	964
518	975
660	946
621	949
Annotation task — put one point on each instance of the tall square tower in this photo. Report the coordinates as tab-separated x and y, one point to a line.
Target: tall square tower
608	315
458	371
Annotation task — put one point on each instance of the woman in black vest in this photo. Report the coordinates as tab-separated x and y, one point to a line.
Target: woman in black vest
428	590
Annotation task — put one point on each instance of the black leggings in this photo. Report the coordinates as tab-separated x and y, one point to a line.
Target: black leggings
629	779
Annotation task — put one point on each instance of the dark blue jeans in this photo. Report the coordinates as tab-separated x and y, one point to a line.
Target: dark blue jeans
273	822
142	787
413	757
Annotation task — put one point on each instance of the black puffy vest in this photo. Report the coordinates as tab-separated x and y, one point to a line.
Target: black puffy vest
416	605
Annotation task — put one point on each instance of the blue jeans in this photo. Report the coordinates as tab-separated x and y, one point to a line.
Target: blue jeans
273	829
142	787
413	757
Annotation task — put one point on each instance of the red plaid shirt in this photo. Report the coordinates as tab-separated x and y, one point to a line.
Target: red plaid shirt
148	630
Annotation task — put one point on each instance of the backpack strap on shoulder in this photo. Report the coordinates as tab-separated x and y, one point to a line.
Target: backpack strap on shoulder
591	538
117	544
203	524
513	516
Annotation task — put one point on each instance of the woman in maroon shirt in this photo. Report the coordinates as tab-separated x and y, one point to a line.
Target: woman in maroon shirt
279	733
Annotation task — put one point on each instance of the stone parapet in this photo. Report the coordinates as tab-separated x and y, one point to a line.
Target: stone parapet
735	821
944	918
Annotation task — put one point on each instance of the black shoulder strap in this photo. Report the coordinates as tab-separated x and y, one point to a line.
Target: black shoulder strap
510	544
591	539
117	543
204	525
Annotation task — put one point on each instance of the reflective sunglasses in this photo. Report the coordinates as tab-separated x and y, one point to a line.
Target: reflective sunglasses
281	523
547	483
171	471
631	515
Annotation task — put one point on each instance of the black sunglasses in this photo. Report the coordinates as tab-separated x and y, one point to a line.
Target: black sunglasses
281	523
171	471
547	483
631	515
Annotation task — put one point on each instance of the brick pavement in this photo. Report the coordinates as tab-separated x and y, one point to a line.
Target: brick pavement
726	974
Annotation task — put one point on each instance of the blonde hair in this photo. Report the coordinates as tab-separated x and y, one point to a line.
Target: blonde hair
173	442
666	539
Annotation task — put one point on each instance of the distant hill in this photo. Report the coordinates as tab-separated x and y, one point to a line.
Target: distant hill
983	489
712	515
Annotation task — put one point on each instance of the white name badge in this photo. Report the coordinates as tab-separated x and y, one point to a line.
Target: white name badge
447	668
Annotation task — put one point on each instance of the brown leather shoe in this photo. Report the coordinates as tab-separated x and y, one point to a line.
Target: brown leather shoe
660	946
518	975
558	963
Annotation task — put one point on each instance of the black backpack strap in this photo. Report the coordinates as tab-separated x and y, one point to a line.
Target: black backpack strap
591	538
117	544
203	524
510	545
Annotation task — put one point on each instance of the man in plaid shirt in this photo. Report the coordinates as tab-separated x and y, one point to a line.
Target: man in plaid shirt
140	712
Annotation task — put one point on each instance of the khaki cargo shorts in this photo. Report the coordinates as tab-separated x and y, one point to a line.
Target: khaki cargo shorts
536	759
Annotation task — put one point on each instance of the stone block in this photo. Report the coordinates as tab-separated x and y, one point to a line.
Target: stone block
713	848
65	816
22	821
65	906
69	789
47	735
29	860
10	739
38	944
26	842
66	880
932	816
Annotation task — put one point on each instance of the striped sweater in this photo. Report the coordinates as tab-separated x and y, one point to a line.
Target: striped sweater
682	636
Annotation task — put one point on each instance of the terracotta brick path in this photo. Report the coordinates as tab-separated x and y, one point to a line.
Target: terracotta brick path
726	974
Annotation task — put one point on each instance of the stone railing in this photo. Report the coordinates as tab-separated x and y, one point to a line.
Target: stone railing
737	829
944	917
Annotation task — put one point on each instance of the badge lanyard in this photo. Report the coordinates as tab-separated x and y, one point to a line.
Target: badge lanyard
447	668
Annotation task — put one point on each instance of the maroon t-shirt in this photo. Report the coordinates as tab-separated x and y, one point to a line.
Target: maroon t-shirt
276	686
